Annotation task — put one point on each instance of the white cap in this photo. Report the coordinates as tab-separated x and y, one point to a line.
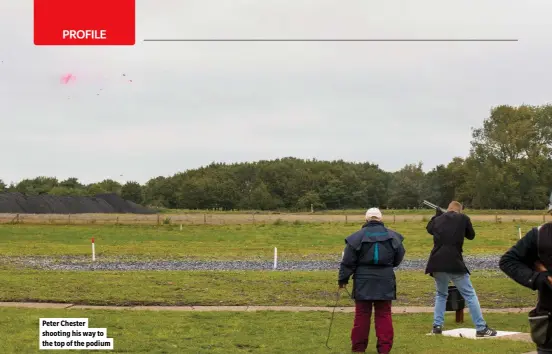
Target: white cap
373	213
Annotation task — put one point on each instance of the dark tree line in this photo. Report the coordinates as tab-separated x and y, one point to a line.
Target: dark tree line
509	166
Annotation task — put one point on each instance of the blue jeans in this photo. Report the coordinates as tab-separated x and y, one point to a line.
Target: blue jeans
465	287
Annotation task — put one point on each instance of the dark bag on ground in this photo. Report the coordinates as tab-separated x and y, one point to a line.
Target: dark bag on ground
541	328
455	301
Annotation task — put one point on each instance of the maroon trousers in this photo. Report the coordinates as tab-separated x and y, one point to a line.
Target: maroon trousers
383	323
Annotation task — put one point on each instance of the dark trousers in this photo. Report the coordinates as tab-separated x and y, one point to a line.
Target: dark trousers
383	323
545	350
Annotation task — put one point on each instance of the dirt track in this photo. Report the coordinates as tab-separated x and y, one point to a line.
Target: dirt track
221	219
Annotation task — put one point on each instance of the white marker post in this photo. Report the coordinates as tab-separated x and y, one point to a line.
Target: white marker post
342	255
180	227
519	232
93	251
275	258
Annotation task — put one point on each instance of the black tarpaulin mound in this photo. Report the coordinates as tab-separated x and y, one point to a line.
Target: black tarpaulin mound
17	203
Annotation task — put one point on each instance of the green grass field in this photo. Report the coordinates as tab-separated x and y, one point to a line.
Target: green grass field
253	242
266	332
232	288
158	332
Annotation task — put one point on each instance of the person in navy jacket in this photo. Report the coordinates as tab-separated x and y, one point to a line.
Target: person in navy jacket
370	256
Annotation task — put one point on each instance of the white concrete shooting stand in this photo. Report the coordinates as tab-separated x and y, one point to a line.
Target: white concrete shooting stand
455	303
470	333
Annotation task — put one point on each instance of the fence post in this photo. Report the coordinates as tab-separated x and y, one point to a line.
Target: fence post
460	316
158	219
93	250
17	218
346	220
69	219
204	219
394	217
117	222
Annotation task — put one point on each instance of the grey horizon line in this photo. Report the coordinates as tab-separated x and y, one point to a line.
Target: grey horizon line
329	40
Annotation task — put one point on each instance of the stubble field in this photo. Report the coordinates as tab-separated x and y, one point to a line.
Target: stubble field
237	218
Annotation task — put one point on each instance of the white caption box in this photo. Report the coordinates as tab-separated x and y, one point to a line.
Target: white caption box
71	334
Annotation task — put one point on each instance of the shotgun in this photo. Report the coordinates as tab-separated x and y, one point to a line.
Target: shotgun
433	206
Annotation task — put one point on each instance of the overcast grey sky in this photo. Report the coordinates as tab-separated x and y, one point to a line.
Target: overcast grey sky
193	103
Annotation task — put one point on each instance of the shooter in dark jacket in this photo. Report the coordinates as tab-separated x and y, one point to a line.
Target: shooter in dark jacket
529	263
370	256
446	264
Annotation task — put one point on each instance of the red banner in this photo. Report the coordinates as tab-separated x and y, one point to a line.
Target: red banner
84	22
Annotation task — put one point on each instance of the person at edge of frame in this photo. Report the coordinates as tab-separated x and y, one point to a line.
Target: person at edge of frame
446	264
529	263
370	256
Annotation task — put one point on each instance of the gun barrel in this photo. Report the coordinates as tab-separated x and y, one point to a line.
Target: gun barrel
431	205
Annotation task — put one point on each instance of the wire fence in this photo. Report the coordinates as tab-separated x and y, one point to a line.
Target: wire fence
236	219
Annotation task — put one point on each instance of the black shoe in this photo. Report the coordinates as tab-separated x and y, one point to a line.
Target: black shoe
437	330
487	332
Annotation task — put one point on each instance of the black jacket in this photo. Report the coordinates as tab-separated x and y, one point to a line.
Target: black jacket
370	256
449	230
519	264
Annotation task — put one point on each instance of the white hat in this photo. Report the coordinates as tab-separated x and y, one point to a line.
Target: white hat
373	213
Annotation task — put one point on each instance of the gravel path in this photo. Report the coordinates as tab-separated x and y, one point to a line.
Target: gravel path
349	309
84	264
